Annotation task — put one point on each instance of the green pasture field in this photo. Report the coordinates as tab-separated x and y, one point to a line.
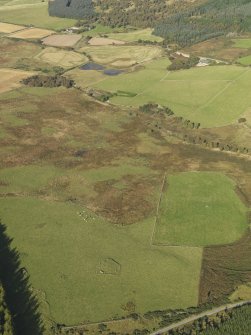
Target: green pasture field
242	43
62	252
213	96
200	209
26	12
135	35
245	60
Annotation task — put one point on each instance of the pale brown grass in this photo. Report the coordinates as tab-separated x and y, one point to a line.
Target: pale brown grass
104	41
32	33
62	40
8	28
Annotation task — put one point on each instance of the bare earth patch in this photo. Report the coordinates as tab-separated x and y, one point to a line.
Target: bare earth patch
32	33
8	28
104	41
62	40
10	79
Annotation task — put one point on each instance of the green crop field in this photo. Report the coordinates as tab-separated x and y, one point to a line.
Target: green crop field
62	252
135	35
213	96
200	209
245	60
243	43
26	12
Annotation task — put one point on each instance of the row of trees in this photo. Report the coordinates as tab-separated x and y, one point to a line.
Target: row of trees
215	144
230	322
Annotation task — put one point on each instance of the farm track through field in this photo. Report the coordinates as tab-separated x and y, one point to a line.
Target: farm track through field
222	91
198	316
157	210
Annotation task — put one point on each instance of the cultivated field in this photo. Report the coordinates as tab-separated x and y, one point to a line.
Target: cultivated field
96	41
85	78
62	40
122	56
64	58
199	209
136	35
245	60
9	28
213	96
32	33
10	79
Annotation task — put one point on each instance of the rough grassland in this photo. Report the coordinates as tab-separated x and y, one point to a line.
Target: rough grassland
134	36
213	96
243	43
62	58
200	209
28	14
62	251
130	55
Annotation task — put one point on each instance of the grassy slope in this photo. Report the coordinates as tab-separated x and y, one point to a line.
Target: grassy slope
200	209
62	251
19	13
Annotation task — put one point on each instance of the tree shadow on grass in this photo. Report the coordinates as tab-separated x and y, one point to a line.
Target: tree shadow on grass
20	299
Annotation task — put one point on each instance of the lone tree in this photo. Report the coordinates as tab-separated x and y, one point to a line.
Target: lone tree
76	9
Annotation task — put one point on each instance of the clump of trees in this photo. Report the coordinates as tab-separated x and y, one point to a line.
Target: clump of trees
182	62
48	81
153	108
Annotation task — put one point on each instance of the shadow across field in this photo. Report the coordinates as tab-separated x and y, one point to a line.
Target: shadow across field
19	297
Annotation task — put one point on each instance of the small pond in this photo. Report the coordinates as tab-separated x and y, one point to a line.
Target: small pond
113	72
92	66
